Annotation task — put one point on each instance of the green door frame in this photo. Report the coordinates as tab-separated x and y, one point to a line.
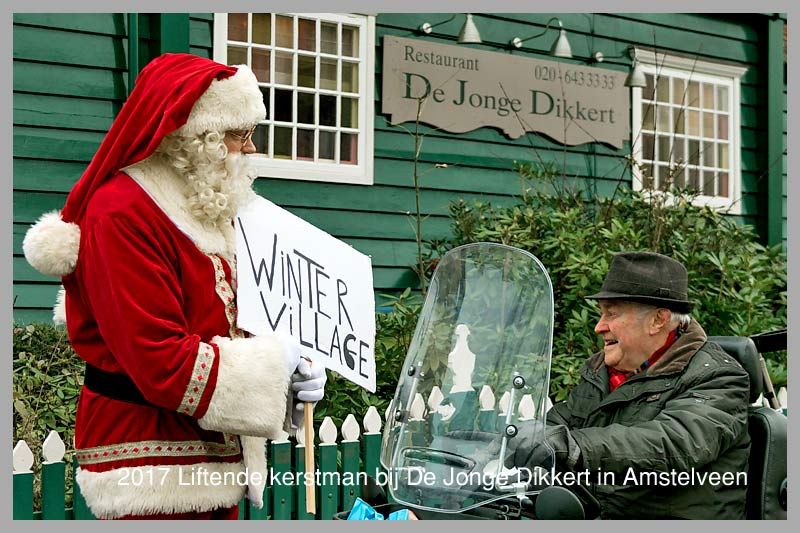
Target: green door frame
173	36
775	131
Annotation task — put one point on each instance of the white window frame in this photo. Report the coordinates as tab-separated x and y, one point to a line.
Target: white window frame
697	70
360	173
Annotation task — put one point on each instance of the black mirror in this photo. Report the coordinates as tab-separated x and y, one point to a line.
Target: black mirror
373	493
558	503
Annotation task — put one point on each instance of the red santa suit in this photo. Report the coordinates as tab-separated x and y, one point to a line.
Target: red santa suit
150	304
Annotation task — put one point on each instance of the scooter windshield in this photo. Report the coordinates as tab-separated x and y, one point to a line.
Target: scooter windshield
476	374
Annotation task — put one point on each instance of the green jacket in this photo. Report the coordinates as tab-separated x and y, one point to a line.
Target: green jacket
686	414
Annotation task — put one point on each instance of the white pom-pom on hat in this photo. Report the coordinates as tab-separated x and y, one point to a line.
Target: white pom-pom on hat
51	245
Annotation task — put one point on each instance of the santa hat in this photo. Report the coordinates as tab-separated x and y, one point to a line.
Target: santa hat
173	92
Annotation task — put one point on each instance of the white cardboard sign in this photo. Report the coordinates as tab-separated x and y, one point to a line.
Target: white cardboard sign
295	279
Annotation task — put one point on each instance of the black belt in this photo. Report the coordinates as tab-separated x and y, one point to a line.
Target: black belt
113	385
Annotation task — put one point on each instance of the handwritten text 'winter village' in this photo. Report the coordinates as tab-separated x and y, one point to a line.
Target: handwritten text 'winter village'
314	304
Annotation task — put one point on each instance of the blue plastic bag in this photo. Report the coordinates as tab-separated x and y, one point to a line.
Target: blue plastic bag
402	514
363	511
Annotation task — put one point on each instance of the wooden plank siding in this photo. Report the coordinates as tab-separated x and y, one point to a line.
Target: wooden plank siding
70	79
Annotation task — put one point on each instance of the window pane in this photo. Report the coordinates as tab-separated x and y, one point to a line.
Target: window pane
327	110
679	178
349	149
283	107
694	94
722	155
679	119
327	145
649	90
261	139
679	149
237	27
327	74
664	123
647	146
694	179
305	71
722	98
283	68
349	41
305	144
283	143
265	95
723	184
663	147
664	179
722	126
647	178
693	120
262	29
307	35
648	122
305	108
678	90
261	64
694	152
349	77
284	32
708	154
708	96
662	91
237	55
328	38
708	182
349	113
708	125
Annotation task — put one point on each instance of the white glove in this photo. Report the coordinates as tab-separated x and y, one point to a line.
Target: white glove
291	350
308	381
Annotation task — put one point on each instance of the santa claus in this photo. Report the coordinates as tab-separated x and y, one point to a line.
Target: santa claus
145	247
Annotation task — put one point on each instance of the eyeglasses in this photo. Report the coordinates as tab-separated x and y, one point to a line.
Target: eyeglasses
243	138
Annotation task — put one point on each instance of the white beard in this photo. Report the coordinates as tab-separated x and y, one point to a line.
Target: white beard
215	198
239	188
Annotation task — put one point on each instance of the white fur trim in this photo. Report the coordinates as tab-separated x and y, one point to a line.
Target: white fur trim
51	245
144	490
60	309
233	103
167	189
255	460
252	384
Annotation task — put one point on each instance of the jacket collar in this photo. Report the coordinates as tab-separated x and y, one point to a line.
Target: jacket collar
674	359
168	190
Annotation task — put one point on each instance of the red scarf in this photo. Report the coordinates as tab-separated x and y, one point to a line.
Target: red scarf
618	377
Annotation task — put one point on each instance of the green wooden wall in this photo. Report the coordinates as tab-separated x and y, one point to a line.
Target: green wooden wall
71	77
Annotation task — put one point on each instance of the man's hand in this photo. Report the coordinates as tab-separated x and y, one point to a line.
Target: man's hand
308	381
308	385
528	447
545	447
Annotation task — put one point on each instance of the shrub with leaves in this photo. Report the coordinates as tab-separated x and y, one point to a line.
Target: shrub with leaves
394	332
48	376
739	284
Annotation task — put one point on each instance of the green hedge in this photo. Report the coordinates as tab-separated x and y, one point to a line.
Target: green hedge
739	284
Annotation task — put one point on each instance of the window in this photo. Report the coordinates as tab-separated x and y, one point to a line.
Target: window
316	72
686	128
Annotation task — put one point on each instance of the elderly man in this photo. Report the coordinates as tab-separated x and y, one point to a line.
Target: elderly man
177	401
656	405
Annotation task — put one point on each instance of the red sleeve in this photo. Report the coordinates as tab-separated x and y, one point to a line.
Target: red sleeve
133	289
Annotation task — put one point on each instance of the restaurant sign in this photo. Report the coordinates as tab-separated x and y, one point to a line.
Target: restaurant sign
461	89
